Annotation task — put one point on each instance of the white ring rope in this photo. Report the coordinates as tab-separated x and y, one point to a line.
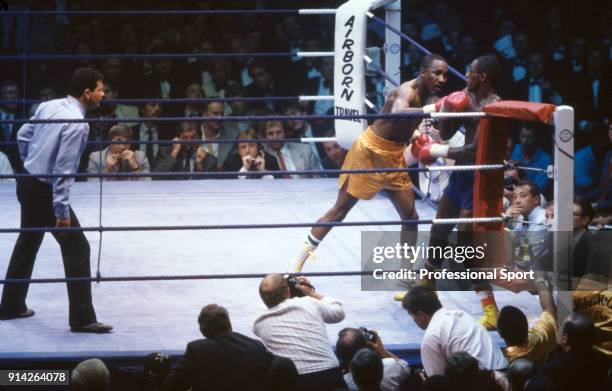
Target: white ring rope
458	115
317	11
315	97
469	220
315	54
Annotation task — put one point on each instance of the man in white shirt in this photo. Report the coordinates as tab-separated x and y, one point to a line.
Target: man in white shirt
49	148
449	331
294	327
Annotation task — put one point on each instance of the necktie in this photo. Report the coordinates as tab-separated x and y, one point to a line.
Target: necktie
281	164
150	150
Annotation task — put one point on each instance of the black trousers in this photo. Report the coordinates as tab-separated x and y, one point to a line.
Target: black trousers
328	380
36	199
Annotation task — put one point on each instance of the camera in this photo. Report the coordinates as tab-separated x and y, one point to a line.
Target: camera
292	281
369	336
510	182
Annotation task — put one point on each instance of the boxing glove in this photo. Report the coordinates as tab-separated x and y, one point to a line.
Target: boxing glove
453	103
429	152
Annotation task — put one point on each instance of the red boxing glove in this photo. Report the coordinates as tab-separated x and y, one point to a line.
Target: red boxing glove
431	151
418	143
456	102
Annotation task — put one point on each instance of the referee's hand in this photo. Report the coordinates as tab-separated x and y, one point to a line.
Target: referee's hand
62	223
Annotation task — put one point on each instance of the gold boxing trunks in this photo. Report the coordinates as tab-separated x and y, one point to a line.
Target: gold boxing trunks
370	151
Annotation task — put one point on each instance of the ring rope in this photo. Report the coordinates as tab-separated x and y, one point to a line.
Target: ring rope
221	174
138	101
175	277
207	227
229	118
311	11
378	70
144	56
413	42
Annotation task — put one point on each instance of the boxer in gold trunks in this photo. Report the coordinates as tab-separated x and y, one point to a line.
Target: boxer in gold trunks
382	145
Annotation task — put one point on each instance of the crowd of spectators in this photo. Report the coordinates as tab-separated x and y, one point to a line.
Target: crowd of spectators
292	351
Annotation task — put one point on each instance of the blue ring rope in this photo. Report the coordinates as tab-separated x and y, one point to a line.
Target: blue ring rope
175	277
232	174
155	12
416	44
228	118
208	227
66	57
137	101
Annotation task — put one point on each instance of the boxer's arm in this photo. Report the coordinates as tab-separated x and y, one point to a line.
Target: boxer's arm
466	152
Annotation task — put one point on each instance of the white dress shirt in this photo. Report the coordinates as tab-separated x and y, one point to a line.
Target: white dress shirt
452	331
296	329
55	148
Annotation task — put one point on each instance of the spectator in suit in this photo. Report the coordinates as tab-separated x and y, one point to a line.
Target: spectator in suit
250	156
592	91
298	128
583	214
576	366
186	158
535	87
290	156
118	157
223	360
529	154
9	90
211	130
150	130
294	327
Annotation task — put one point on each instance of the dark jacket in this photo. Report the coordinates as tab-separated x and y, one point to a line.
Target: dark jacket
230	361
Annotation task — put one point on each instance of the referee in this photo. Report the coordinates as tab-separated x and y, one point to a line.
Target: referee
54	148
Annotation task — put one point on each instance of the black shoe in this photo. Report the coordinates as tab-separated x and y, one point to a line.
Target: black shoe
95	327
26	314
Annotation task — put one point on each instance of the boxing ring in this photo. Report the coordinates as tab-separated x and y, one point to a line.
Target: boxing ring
160	315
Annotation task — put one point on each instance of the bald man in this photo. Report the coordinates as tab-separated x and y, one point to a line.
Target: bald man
294	327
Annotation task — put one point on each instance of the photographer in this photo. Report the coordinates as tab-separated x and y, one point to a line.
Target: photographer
118	157
351	340
294	327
